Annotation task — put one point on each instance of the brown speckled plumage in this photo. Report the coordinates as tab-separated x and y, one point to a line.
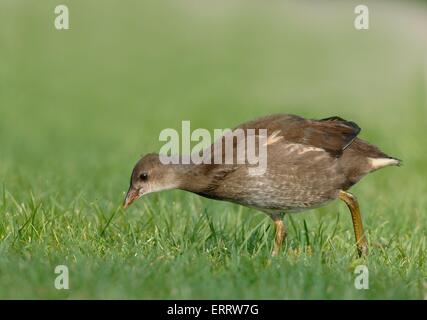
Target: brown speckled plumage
309	163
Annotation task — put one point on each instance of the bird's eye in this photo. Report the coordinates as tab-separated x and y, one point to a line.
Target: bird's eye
143	176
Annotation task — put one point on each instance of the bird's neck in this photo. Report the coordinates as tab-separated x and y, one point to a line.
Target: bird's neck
191	177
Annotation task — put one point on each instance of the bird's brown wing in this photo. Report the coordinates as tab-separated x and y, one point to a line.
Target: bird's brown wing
332	134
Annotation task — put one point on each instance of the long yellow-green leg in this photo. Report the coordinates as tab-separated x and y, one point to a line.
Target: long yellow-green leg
280	234
352	204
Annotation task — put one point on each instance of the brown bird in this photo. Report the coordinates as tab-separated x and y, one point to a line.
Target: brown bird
309	163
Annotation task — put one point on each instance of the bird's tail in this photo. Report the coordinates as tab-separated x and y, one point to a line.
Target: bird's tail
378	163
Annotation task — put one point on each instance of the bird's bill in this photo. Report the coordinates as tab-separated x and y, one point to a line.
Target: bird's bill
131	196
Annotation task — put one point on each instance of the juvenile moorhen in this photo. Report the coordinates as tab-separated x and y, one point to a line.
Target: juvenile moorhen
309	163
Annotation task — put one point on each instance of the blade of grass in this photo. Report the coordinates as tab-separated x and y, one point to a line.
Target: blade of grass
109	221
307	237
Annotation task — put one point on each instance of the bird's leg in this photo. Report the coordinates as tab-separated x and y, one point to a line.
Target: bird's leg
280	234
352	204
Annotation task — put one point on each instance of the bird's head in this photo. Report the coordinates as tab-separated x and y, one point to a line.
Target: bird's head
149	175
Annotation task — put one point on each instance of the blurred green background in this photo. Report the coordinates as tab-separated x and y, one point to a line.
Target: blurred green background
78	107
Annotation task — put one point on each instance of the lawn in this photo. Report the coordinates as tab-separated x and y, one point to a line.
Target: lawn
78	107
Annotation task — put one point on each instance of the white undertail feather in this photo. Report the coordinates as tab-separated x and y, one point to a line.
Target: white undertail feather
378	163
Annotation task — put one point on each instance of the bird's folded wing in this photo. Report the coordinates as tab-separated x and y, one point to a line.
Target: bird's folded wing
332	134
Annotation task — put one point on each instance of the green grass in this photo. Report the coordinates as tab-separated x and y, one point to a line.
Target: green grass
78	108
